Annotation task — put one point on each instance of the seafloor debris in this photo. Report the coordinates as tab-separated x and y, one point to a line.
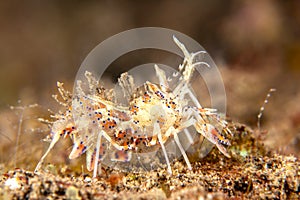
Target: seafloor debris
254	174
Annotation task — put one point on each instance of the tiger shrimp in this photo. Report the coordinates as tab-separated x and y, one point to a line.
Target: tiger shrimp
154	116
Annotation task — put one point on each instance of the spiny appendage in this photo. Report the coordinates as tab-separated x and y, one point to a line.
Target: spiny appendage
209	123
190	60
213	127
100	115
126	82
187	68
63	125
64	94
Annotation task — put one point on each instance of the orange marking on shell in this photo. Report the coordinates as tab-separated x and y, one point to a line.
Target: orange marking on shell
125	146
121	134
108	124
143	140
215	132
134	109
67	131
202	110
81	147
153	140
152	87
98	115
77	151
102	105
217	135
173	105
146	98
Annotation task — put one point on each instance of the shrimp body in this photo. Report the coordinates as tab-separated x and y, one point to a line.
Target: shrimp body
155	116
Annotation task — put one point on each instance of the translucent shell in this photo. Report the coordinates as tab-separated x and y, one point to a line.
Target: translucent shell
154	123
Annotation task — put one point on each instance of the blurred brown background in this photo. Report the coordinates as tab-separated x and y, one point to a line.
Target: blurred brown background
255	44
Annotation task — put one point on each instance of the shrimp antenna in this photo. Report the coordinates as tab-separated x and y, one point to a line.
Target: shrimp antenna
21	119
262	108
